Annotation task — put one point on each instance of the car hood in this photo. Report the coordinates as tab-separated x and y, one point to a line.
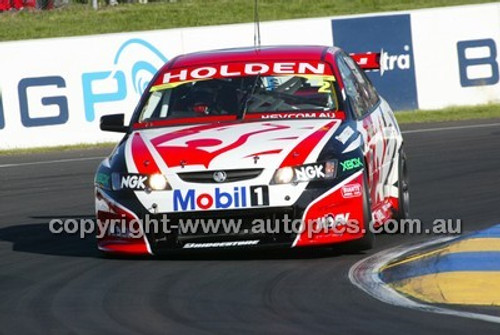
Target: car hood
224	146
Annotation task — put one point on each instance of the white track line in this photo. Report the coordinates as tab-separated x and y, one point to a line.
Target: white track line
471	126
365	275
67	160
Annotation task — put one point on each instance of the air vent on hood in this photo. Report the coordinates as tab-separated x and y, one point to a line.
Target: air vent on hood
209	176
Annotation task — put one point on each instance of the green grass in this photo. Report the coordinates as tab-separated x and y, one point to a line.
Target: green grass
448	114
79	19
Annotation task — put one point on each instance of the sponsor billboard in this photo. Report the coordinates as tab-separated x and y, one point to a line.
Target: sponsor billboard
458	55
53	91
391	36
58	96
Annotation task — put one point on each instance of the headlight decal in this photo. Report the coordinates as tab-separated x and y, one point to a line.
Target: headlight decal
157	182
305	173
284	175
139	182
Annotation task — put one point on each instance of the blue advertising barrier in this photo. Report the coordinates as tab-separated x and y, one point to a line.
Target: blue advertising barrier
390	35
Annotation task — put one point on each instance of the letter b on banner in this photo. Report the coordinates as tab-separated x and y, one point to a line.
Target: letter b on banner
473	58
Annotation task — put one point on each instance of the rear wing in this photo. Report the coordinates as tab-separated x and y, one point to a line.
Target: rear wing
367	61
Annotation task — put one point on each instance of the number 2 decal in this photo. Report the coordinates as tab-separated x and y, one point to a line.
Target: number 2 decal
326	87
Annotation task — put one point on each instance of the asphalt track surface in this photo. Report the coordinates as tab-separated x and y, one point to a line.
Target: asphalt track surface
59	284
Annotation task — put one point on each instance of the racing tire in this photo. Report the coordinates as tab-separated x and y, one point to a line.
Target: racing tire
403	211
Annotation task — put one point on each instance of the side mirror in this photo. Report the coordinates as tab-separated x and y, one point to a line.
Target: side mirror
113	122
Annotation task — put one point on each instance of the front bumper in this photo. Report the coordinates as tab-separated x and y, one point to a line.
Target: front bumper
236	228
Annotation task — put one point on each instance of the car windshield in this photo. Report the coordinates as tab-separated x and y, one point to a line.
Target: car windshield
241	96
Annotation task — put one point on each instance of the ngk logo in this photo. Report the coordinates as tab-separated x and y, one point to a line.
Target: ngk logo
390	62
134	182
305	173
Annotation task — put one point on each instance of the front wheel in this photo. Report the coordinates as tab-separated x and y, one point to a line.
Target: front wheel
368	240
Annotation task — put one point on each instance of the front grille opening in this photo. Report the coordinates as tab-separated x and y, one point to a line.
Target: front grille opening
177	238
206	177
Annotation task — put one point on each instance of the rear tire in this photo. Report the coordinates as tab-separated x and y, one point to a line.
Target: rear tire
403	211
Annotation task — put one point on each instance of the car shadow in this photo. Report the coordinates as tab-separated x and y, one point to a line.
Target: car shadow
38	239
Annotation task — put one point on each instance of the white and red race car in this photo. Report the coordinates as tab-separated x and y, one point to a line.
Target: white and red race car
253	147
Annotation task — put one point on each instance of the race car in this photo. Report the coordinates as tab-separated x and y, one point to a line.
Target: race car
283	146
